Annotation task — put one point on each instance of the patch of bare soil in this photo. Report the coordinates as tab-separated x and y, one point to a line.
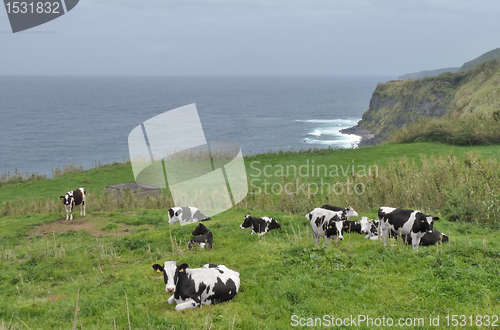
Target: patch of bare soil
90	224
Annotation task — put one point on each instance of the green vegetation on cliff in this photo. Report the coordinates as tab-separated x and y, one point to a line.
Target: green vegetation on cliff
463	105
492	54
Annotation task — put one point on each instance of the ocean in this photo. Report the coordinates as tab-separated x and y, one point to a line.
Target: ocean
49	122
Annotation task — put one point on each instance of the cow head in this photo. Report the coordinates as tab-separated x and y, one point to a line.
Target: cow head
170	274
247	223
200	230
365	225
66	198
273	224
335	228
424	223
348	212
174	215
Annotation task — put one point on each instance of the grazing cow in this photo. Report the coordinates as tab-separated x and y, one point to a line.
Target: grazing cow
192	287
347	212
325	223
260	225
405	222
436	237
362	226
72	198
185	215
205	237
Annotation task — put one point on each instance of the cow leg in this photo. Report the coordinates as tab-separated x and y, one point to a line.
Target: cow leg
415	240
189	303
71	211
171	300
83	207
383	233
67	212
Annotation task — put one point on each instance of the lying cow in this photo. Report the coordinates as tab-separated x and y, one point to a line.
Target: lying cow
362	226
72	198
326	223
205	237
192	287
347	212
436	237
405	222
260	225
185	215
374	231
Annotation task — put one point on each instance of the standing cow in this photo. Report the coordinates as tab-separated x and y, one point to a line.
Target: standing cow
405	222
192	287
73	198
328	223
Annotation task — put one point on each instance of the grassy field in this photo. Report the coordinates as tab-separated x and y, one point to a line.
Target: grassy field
105	257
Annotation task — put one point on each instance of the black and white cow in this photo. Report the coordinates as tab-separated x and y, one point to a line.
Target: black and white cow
374	231
205	237
362	226
260	225
326	223
347	212
192	287
405	222
436	237
72	198
185	215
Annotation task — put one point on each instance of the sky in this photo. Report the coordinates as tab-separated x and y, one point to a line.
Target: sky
253	37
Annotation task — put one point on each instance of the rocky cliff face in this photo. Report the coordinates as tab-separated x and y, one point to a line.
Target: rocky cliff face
398	103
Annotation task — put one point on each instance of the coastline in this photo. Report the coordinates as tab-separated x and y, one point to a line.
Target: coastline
367	138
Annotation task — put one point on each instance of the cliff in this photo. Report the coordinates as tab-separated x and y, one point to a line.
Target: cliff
398	104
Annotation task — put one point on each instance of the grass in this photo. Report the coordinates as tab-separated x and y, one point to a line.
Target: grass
105	258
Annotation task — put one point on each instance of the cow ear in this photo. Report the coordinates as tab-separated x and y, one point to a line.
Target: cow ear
435	218
182	268
61	197
158	268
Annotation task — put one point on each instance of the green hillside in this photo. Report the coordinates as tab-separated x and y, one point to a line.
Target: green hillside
492	54
102	262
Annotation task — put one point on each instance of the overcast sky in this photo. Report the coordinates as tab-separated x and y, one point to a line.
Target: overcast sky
253	37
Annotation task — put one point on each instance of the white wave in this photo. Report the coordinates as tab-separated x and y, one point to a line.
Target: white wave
341	141
326	132
316	133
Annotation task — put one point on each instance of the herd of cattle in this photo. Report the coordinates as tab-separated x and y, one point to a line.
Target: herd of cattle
193	287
